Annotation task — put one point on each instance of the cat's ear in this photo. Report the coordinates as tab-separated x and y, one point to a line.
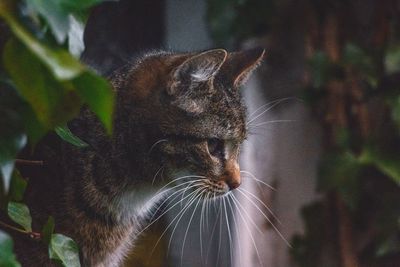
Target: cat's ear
197	69
239	65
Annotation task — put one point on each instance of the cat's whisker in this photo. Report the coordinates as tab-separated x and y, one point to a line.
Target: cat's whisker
180	178
144	229
160	193
190	221
212	234
261	202
220	232
236	227
276	102
202	222
155	144
179	215
247	226
267	218
201	229
176	194
184	192
154	178
229	230
239	205
270	103
270	122
261	107
258	180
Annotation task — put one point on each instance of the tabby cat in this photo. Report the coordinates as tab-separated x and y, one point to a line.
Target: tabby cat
181	113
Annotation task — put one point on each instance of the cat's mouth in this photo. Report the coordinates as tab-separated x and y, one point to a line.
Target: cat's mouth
215	188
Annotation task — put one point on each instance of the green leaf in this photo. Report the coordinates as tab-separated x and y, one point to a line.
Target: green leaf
98	94
65	134
64	249
358	58
54	102
7	256
17	116
62	64
12	137
20	214
48	230
55	15
17	187
387	162
75	36
62	16
78	5
392	59
9	147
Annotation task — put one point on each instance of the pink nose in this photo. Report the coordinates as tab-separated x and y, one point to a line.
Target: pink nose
232	174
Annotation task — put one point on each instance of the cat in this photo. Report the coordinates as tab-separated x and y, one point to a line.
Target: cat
181	113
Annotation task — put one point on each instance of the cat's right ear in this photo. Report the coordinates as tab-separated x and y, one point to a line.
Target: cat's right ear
197	69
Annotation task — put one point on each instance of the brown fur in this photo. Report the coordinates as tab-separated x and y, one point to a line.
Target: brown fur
191	101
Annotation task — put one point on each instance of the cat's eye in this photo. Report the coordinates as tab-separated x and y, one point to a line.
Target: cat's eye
216	147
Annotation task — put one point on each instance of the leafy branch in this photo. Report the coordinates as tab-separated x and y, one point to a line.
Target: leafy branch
43	85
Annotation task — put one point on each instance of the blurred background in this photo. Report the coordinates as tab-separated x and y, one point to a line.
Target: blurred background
325	111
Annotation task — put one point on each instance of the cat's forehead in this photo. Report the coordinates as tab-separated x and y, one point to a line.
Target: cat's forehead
224	120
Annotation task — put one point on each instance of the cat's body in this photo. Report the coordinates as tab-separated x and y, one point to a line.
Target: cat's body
181	113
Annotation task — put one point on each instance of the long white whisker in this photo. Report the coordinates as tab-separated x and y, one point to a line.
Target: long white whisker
190	221
180	215
269	122
229	230
247	227
180	178
277	102
212	234
154	178
266	217
236	228
262	203
144	229
220	232
176	194
258	180
171	189
156	143
202	224
270	103
246	213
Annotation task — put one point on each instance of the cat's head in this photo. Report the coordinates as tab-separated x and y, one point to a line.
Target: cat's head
188	111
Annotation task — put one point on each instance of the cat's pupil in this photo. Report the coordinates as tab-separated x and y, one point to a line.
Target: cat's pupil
216	147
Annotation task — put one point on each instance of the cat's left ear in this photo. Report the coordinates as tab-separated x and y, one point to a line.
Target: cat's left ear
197	69
238	66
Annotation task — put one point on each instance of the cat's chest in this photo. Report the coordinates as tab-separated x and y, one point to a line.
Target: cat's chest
119	250
131	206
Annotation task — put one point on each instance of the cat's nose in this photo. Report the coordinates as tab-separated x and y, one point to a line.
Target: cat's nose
232	174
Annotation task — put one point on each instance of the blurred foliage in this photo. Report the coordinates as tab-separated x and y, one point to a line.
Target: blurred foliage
232	21
43	85
7	257
352	85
